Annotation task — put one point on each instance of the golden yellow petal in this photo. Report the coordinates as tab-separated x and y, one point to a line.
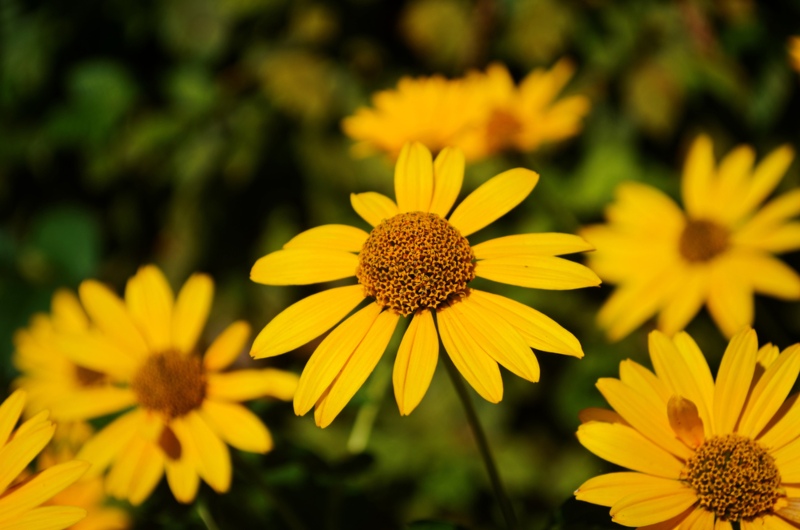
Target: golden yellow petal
602	415
46	518
782	428
330	357
413	178
68	313
343	238
543	244
769	218
684	303
358	367
110	314
538	272
608	489
624	446
40	488
191	311
107	443
373	207
416	362
768	275
477	366
303	266
148	474
150	300
774	522
730	300
10	411
92	402
244	385
766	176
183	479
630	305
448	175
690	352
95	351
493	199
21	450
700	519
213	454
227	346
126	466
730	184
685	422
645	382
734	376
776	240
770	392
791	511
698	170
305	320
721	524
657	503
237	426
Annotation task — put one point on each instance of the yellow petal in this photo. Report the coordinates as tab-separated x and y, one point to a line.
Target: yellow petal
775	240
683	304
92	402
645	382
539	331
413	178
624	446
373	207
698	171
773	522
244	385
183	479
305	320
685	422
791	511
46	518
67	311
416	362
493	199
149	299
330	357
125	467
769	393
538	272
303	266
631	304
215	460
237	426
768	173
191	311
95	351
148	474
40	488
477	366
769	275
21	450
733	378
10	411
544	244
653	505
343	238
770	217
106	444
608	489
701	519
732	175
784	429
109	314
602	415
730	300
357	369
448	175
227	346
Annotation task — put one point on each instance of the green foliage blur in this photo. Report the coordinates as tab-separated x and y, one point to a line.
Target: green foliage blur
202	134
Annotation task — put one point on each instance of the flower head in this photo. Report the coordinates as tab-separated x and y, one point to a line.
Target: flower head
417	262
703	454
794	52
185	407
21	503
717	252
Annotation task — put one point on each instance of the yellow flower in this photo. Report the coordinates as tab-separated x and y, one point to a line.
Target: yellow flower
703	455
794	52
432	110
718	252
185	408
416	263
523	118
20	504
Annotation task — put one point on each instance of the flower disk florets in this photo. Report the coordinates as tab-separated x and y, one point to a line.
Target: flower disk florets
703	240
734	477
171	383
414	261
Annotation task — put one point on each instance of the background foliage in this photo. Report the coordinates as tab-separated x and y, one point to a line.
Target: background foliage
202	134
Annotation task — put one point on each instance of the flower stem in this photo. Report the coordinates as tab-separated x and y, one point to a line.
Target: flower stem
365	419
483	445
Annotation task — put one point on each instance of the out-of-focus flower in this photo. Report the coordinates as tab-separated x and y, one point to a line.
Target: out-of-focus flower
21	504
718	252
702	454
794	52
185	408
442	33
415	263
300	83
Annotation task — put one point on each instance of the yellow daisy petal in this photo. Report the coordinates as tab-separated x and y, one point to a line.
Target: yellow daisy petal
601	415
644	381
68	312
120	478
492	200
10	411
244	385
303	266
191	311
330	357
149	299
538	272
771	216
343	238
96	352
791	511
148	474
183	479
696	361
373	207
730	300
700	519
104	446
92	402
682	306
40	488
728	188
214	458
305	320
237	426
357	368
607	489
413	178
657	503
770	392
227	346
721	524
416	362
773	522
544	244
785	428
734	375
448	175
477	366
46	518
109	314
766	176
776	240
685	422
697	172
21	450
770	276
624	446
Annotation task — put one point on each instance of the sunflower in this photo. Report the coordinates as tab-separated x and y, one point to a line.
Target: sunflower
703	454
20	504
522	118
718	252
185	409
417	263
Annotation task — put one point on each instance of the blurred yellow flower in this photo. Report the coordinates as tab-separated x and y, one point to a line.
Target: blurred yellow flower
794	52
416	263
21	504
719	252
703	455
185	408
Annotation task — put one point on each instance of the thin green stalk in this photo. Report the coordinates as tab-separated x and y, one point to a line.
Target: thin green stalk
205	516
483	445
365	419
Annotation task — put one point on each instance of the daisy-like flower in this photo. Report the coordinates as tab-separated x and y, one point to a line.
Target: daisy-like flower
185	408
522	118
432	110
719	252
417	262
21	503
794	52
702	454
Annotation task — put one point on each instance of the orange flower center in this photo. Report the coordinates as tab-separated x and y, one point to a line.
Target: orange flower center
703	240
414	261
734	477
171	383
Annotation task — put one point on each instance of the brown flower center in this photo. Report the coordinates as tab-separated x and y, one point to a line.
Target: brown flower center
703	240
88	377
734	477
413	261
171	383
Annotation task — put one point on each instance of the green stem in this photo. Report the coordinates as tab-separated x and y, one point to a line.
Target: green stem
365	419
205	516
483	445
